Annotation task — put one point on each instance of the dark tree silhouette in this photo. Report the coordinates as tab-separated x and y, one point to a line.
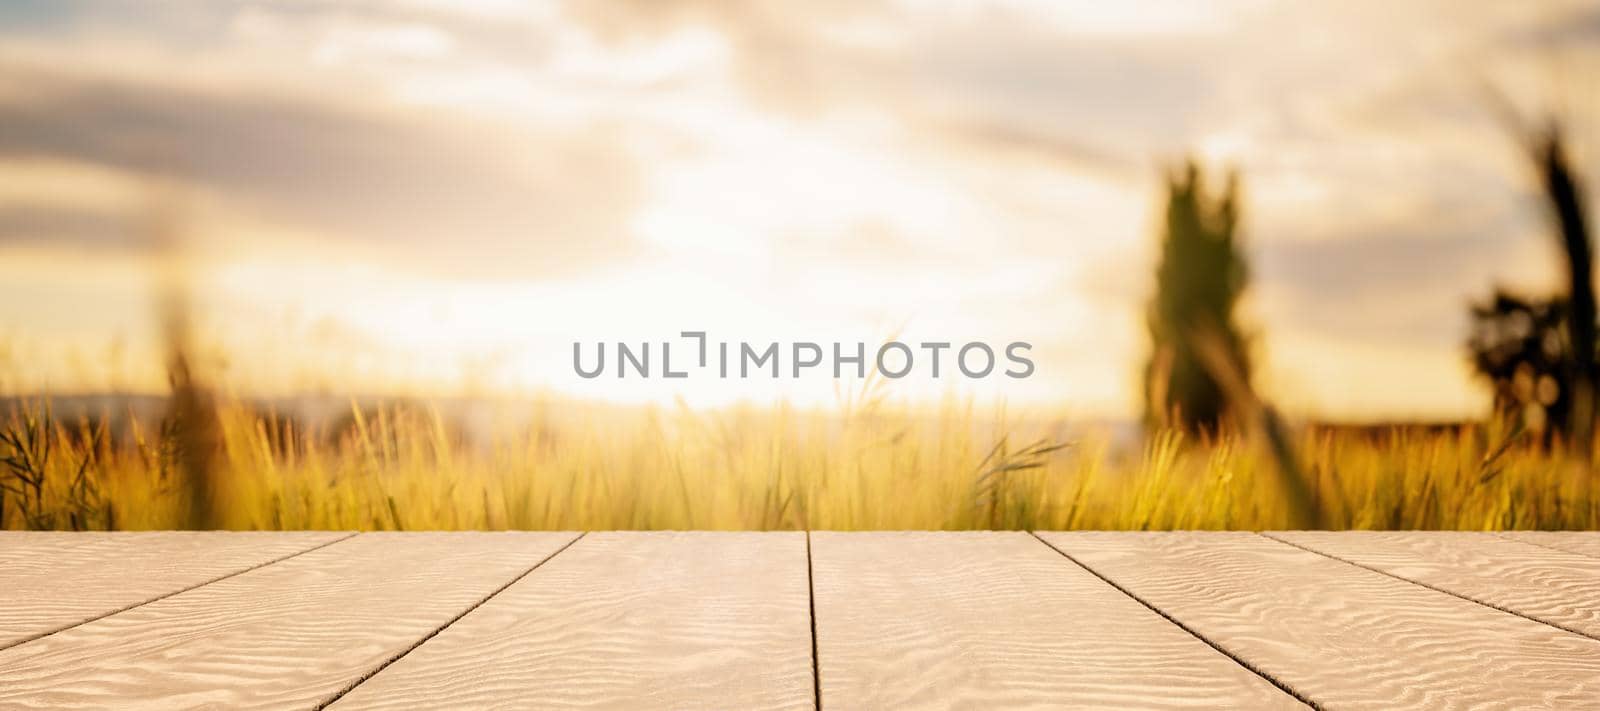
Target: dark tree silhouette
1566	202
1540	354
1198	284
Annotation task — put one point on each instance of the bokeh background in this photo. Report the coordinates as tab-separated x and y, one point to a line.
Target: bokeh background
440	197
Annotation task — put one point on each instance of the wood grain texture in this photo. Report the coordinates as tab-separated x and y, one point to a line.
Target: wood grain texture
1340	635
287	635
1585	543
660	620
999	620
53	580
1556	587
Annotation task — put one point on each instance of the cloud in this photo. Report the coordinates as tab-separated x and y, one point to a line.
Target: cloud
1400	285
62	225
946	70
467	195
1560	27
765	157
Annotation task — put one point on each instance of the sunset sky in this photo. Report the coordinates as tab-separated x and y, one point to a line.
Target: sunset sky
445	195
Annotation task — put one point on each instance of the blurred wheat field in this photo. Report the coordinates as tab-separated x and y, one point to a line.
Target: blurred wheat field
769	468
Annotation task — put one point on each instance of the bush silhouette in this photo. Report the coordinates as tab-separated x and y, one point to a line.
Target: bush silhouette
1520	345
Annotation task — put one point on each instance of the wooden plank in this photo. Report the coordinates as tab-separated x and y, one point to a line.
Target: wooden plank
999	620
21	545
54	580
1552	586
1580	542
627	621
288	635
1341	635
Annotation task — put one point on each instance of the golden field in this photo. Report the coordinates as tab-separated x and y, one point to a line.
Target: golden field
864	466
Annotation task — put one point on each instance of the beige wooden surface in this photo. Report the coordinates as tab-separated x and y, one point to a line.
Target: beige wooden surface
50	581
999	620
286	635
725	620
626	621
1549	585
1580	542
1340	635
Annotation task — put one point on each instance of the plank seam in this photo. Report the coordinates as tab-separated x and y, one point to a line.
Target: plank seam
179	591
811	602
1531	542
391	660
1282	686
1428	586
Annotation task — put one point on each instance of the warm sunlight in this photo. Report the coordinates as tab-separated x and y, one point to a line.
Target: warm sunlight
409	200
799	354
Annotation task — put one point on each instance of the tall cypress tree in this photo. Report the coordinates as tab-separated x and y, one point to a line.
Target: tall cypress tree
1198	284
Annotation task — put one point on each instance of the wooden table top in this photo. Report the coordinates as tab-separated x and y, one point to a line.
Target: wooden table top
790	620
